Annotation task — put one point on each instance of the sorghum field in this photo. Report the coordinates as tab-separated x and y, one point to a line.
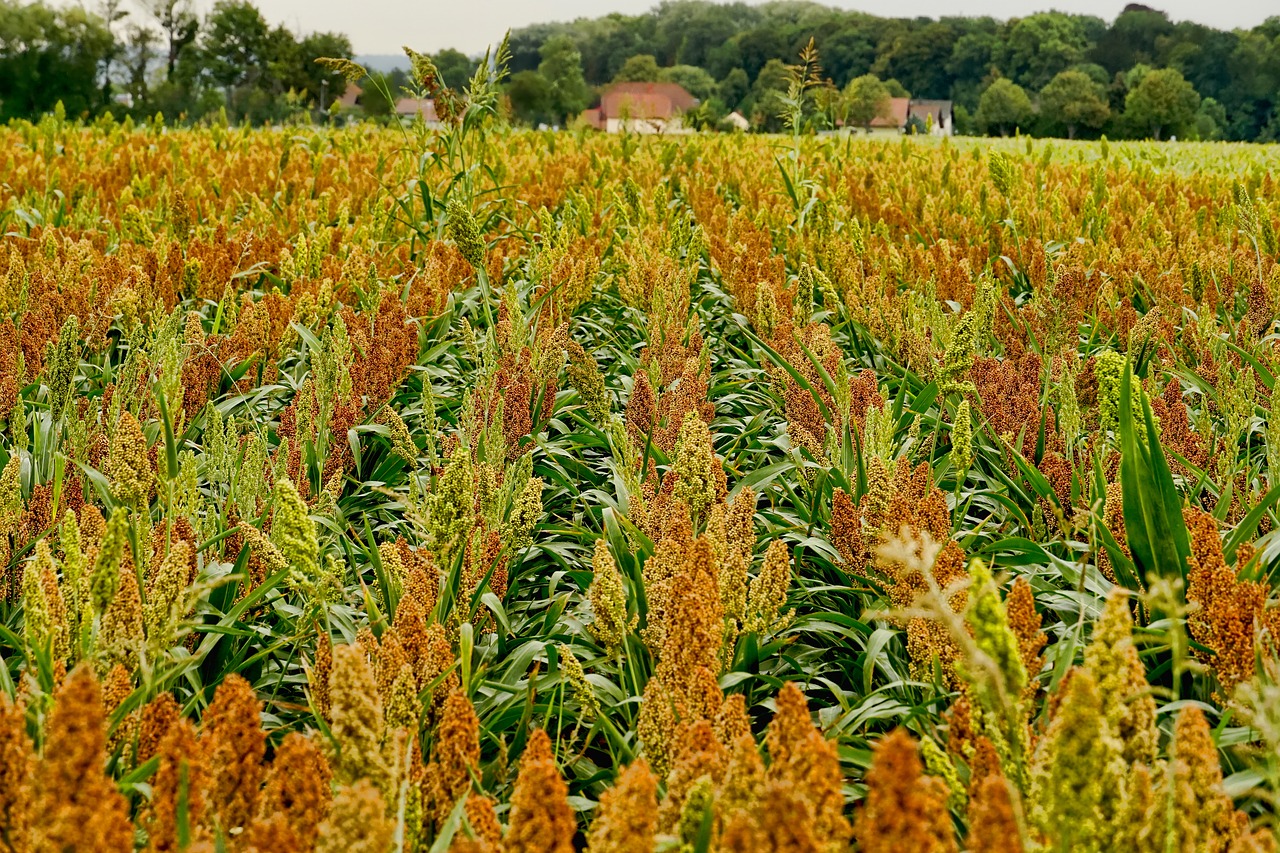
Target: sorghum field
477	490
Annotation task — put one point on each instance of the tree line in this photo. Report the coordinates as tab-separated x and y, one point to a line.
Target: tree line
161	57
1142	75
1051	73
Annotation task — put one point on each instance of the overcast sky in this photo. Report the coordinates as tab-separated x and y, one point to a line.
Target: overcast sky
382	26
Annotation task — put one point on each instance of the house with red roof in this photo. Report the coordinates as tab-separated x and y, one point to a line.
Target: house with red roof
414	108
350	97
933	116
642	108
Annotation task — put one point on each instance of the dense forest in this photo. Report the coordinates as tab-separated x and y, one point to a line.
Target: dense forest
1139	76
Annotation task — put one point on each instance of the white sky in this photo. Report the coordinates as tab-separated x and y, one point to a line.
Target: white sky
382	26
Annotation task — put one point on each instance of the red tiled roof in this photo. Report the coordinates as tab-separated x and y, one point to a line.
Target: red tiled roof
897	114
645	101
351	95
426	107
938	109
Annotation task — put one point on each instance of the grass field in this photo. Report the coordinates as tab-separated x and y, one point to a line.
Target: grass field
481	490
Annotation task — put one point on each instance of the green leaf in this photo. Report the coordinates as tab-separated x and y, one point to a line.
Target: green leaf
170	445
777	359
1153	520
450	827
1248	525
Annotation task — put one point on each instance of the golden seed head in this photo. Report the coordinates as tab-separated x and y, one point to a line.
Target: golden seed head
356	720
297	787
768	591
456	754
80	807
627	820
129	464
231	736
357	821
607	593
541	819
904	809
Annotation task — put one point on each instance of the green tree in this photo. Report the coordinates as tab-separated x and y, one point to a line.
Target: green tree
1037	47
847	52
525	44
827	103
724	58
920	60
561	67
234	44
1211	120
530	97
49	55
322	84
455	67
1137	35
695	81
1253	81
281	62
1074	100
1094	72
1162	103
734	88
971	66
765	103
759	47
708	115
953	57
179	24
641	68
688	33
137	51
865	100
610	42
1003	107
377	92
293	67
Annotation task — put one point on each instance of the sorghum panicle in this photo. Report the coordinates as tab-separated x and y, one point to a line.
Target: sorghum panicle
1077	769
130	465
1112	658
1230	610
541	819
180	784
768	591
904	809
455	755
122	634
356	720
627	820
157	718
294	533
231	737
297	787
610	623
79	806
806	762
357	821
17	765
993	824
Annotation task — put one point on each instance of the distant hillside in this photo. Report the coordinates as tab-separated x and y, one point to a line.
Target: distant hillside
384	62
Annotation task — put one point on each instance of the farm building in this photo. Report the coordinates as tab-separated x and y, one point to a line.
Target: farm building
410	108
932	117
642	108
